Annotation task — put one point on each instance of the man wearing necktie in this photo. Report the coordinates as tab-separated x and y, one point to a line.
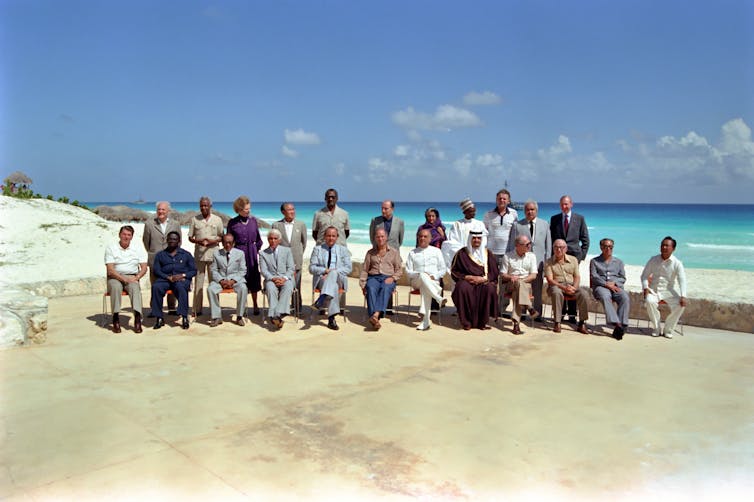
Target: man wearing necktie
277	268
538	232
330	265
228	271
571	227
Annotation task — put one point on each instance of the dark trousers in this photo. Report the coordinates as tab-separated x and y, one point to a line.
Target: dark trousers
180	289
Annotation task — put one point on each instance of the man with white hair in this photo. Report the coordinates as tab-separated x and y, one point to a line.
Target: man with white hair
277	267
475	293
519	271
155	236
425	266
538	232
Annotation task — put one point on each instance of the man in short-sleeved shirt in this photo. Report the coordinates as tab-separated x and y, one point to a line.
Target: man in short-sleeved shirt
331	216
518	272
126	264
206	232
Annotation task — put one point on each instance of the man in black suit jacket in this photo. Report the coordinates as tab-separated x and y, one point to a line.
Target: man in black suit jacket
571	227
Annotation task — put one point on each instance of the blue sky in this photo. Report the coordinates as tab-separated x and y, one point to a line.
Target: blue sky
625	101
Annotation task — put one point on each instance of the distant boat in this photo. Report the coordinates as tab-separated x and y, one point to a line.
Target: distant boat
140	201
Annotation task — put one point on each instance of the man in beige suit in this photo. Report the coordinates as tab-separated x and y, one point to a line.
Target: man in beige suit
292	235
155	240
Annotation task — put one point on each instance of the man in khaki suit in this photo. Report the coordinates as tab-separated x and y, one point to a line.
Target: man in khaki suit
155	240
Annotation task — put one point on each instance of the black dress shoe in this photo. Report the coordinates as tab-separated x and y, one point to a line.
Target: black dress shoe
185	323
159	323
137	324
618	332
332	324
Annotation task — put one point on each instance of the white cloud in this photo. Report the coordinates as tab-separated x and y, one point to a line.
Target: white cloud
401	151
301	137
379	170
463	165
445	118
561	147
490	160
289	152
481	98
695	160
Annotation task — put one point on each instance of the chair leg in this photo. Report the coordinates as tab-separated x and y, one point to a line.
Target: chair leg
105	311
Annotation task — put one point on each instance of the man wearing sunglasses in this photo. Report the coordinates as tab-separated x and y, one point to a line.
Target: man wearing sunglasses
607	277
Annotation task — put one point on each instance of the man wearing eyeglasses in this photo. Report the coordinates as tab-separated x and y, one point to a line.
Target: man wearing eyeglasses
607	277
538	232
562	274
518	272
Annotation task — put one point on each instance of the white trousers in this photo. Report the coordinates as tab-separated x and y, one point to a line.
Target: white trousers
676	310
429	289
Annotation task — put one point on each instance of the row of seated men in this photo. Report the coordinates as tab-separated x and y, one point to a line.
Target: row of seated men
474	270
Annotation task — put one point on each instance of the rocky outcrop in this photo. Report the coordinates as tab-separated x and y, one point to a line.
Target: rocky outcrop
23	318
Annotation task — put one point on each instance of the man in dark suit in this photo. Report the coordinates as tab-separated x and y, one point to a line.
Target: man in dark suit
392	224
541	245
571	227
292	235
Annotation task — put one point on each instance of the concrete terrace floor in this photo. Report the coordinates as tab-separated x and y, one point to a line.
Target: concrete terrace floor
241	413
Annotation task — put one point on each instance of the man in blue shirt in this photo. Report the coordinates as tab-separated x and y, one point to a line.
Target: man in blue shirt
174	268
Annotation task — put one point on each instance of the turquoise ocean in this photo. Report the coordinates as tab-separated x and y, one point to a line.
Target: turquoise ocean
709	236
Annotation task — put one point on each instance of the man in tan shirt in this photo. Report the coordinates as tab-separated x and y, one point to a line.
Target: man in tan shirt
206	232
381	270
562	274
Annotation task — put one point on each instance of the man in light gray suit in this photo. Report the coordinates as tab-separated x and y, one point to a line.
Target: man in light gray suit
277	268
228	271
156	231
538	232
292	235
392	225
330	265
